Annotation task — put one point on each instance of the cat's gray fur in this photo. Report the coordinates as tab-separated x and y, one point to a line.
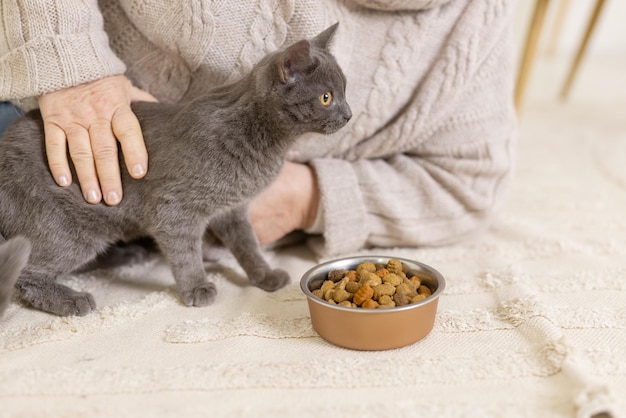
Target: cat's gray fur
208	159
13	258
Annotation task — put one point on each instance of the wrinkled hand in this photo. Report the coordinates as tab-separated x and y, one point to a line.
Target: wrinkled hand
88	120
288	204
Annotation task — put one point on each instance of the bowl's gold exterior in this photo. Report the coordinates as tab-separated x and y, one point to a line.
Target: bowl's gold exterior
373	329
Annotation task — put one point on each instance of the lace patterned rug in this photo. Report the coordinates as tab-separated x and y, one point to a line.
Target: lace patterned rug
533	322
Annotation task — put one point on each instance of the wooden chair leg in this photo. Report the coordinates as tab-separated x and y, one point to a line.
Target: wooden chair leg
530	50
557	27
591	25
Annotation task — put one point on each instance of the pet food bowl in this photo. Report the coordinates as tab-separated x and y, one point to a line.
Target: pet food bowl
372	329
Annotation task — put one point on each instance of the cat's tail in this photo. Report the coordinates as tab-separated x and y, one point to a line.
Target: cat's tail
14	255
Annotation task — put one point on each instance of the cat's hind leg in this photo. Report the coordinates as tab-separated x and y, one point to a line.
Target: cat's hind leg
235	231
55	254
45	293
13	258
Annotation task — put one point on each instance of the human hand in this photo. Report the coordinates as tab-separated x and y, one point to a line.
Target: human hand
288	204
89	119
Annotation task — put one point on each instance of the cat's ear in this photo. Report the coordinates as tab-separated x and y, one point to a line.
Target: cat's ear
296	61
323	39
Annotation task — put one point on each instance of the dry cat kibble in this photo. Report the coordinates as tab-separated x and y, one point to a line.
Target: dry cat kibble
372	286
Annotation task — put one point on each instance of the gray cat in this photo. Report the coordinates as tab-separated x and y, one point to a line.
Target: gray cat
208	159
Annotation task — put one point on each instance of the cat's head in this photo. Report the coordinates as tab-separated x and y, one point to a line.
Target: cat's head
310	85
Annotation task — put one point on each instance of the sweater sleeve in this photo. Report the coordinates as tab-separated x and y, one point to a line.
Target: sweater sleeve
438	172
50	45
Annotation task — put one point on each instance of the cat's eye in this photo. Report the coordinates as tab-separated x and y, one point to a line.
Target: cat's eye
326	98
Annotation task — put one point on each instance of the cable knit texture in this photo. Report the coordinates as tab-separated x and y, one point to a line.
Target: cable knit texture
430	147
46	46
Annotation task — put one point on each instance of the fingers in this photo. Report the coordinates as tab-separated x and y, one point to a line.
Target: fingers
104	148
80	151
95	156
56	151
128	131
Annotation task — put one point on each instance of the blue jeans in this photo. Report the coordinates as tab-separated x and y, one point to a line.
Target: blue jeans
8	113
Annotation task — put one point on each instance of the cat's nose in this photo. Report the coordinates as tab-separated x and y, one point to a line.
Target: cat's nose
347	114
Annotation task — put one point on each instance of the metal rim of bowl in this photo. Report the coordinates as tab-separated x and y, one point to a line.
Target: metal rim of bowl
353	261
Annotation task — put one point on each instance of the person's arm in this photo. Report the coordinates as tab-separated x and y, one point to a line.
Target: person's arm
58	51
433	176
431	196
46	46
437	173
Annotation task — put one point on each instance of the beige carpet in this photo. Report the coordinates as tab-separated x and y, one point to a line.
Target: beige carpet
533	322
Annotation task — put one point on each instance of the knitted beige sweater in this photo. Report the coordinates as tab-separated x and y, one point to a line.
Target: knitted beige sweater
425	159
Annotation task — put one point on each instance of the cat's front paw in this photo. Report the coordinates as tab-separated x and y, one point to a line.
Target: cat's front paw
273	280
77	304
202	295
